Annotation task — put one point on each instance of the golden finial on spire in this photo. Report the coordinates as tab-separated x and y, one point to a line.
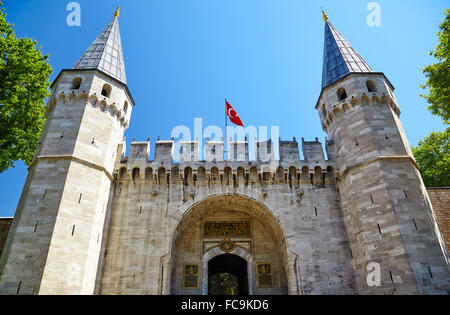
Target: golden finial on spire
325	16
116	14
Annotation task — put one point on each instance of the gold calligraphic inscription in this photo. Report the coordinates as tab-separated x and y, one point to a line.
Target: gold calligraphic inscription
190	279
235	229
264	275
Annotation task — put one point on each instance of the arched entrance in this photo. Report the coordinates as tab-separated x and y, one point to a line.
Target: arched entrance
232	235
227	275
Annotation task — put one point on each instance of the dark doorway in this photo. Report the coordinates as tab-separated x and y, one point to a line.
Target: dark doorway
227	275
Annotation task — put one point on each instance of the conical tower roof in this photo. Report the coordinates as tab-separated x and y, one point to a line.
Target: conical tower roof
339	58
105	53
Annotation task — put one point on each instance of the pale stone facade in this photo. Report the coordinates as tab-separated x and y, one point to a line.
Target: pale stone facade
92	220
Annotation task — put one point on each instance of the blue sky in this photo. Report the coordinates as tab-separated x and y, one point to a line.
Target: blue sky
183	57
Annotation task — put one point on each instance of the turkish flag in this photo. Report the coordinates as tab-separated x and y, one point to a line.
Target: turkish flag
234	117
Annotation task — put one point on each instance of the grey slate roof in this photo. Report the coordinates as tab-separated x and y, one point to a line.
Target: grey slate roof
105	53
339	58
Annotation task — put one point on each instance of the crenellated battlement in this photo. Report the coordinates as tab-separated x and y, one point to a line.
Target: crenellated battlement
238	169
354	90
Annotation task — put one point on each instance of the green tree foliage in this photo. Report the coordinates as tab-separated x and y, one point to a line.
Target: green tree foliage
433	156
438	74
24	86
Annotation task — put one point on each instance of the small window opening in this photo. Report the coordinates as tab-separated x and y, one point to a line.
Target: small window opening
342	94
371	86
76	83
106	91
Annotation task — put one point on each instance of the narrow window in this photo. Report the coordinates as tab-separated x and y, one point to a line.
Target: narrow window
45	193
73	230
18	288
213	150
76	83
415	225
79	199
371	198
125	107
351	253
429	271
390	274
35	226
315	210
342	94
371	86
404	192
140	210
379	228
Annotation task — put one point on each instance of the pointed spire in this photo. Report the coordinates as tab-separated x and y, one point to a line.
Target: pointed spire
339	58
105	53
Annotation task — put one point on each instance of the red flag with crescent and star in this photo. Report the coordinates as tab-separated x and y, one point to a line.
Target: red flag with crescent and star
234	117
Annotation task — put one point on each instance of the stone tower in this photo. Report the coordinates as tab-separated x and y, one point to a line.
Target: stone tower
55	240
386	208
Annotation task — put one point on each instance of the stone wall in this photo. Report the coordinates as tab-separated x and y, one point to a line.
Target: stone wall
440	198
158	209
5	224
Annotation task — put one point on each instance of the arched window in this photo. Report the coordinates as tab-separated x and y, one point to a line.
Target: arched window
161	173
106	91
76	83
123	173
227	175
342	94
125	107
371	86
135	174
188	175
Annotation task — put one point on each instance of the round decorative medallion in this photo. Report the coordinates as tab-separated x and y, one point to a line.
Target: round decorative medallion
227	245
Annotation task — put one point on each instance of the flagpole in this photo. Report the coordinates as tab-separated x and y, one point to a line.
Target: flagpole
226	131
